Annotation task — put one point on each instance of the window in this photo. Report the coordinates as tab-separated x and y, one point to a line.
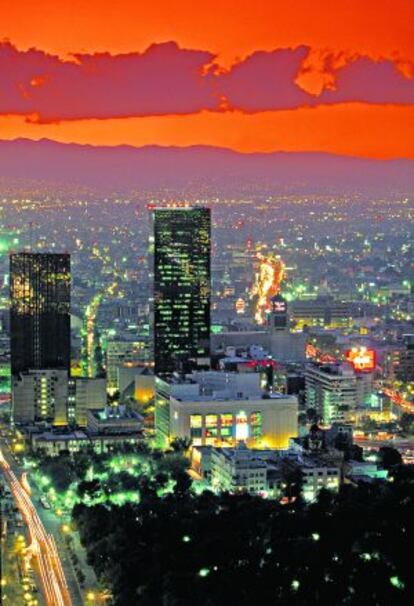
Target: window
256	424
226	425
211	426
196	423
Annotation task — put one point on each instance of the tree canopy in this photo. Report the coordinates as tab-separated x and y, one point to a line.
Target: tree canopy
182	549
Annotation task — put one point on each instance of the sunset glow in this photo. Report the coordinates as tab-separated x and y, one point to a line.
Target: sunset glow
253	77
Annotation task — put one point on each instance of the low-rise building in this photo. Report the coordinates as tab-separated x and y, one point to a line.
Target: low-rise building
239	470
265	472
113	420
52	443
318	474
223	413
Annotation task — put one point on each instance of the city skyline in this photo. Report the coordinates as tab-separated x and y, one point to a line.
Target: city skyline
206	303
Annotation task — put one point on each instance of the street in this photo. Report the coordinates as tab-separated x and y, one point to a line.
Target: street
42	545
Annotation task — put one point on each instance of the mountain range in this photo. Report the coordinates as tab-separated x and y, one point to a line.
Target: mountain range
198	168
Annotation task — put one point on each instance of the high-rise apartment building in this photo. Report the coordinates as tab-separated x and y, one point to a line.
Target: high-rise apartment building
39	311
182	246
331	389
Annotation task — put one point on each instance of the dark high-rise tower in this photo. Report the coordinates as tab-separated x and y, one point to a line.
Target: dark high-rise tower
39	311
182	246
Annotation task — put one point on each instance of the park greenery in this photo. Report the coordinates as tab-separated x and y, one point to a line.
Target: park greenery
180	549
115	477
154	540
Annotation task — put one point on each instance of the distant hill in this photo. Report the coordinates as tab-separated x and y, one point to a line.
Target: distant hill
125	168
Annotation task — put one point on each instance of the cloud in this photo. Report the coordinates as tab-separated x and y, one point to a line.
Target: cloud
163	80
265	81
370	81
169	80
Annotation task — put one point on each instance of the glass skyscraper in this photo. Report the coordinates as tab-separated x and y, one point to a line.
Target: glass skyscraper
39	311
182	246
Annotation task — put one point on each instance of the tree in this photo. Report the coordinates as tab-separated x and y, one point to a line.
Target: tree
302	418
172	464
60	470
179	549
407	422
183	483
351	451
180	444
292	479
312	414
356	453
81	464
389	457
89	489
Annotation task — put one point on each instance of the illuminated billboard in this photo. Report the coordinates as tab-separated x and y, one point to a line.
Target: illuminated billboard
242	427
362	359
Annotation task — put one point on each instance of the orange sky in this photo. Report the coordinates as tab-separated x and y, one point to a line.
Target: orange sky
231	29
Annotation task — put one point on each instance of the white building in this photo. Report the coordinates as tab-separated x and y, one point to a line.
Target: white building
262	472
260	422
122	353
239	470
40	395
318	474
331	389
113	421
90	394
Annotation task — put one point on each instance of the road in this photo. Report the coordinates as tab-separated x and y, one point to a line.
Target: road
42	545
88	331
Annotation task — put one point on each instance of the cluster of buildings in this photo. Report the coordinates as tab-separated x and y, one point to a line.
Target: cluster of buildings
237	393
305	466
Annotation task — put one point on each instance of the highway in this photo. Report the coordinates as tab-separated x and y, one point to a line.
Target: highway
42	545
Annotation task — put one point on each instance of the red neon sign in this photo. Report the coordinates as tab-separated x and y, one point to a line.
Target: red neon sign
259	363
362	359
313	352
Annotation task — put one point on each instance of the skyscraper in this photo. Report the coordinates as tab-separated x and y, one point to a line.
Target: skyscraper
39	312
182	246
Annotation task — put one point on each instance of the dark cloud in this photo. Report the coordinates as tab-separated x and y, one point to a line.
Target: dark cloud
166	79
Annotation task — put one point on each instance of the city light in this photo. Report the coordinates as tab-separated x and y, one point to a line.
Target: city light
267	283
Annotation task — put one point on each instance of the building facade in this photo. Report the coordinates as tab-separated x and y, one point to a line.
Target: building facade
40	396
39	312
181	323
260	422
120	354
331	389
86	394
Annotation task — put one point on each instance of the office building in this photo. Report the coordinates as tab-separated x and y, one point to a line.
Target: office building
39	312
40	395
181	320
331	389
121	354
85	394
324	311
223	415
405	366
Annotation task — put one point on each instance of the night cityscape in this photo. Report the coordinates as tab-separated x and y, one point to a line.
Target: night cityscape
206	304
